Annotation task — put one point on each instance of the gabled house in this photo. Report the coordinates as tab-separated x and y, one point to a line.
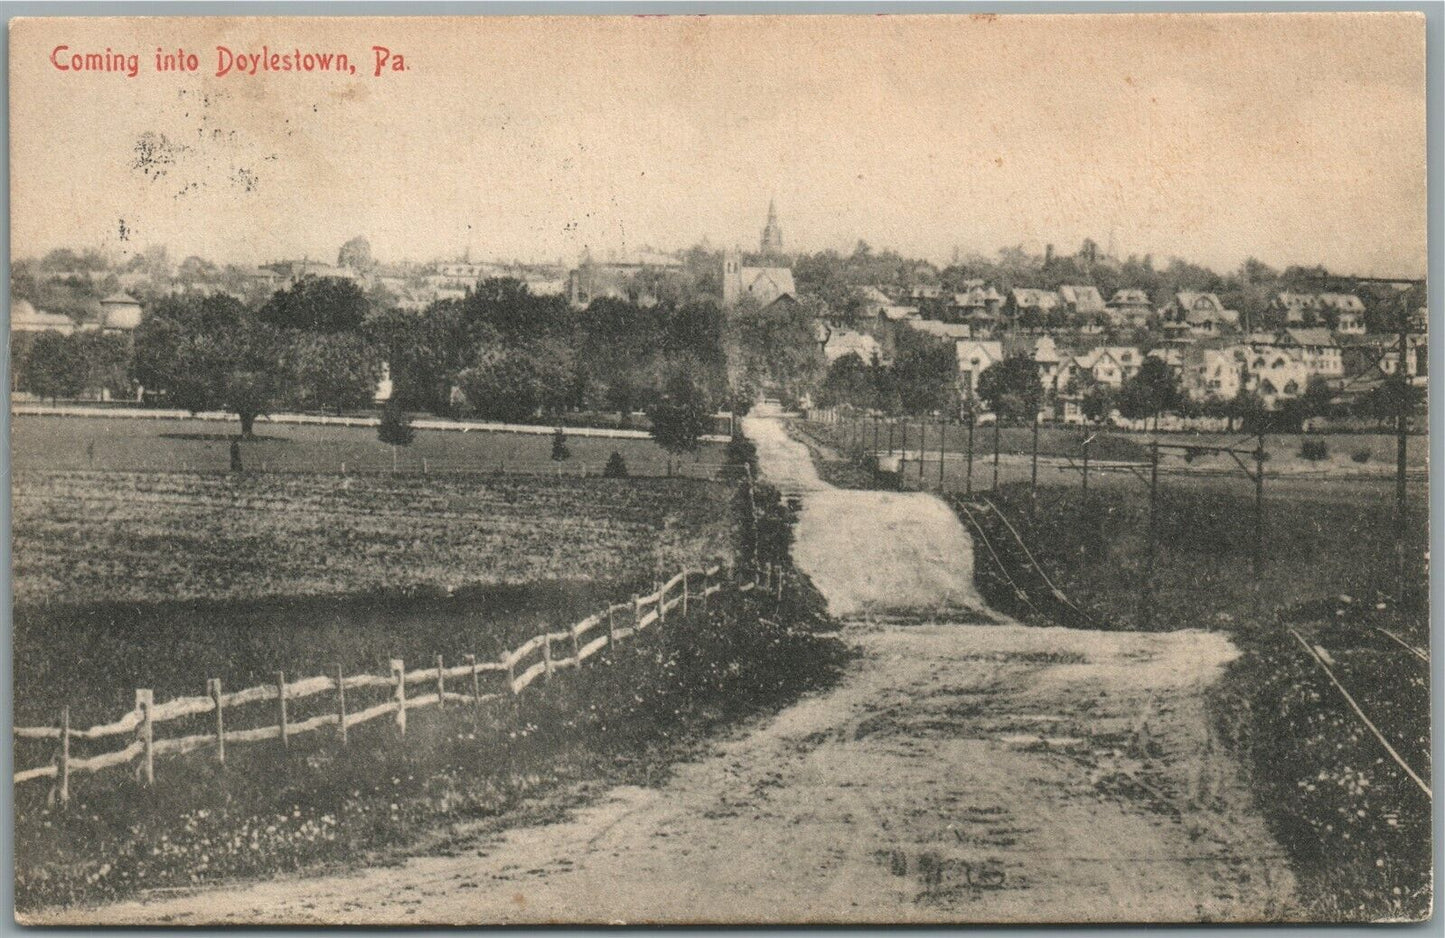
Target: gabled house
1082	301
1317	349
974	356
1296	308
1275	373
872	302
1111	365
1130	307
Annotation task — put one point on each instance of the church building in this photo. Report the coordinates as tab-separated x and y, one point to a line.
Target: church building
767	285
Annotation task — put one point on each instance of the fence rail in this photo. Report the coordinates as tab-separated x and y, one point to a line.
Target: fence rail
577	644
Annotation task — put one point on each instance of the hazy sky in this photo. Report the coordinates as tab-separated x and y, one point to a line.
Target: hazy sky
1294	138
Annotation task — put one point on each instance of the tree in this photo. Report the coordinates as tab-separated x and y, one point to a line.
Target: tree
317	304
504	384
616	467
1152	389
395	429
681	416
210	353
560	451
334	371
355	254
53	368
1012	388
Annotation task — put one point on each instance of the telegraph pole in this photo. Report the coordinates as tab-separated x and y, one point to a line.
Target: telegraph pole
995	450
1084	478
968	470
1034	469
1147	612
1402	439
1259	504
942	433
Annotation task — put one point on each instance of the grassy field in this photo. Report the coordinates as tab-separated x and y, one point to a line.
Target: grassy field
136	445
1283	448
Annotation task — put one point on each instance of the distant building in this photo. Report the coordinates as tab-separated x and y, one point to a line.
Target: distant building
122	311
1130	307
767	285
1316	348
974	357
1082	301
840	342
24	317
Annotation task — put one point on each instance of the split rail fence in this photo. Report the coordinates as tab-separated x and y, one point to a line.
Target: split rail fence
434	686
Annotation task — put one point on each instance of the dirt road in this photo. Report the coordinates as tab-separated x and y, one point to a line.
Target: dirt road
959	772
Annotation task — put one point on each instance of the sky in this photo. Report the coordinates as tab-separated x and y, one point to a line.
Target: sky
1293	138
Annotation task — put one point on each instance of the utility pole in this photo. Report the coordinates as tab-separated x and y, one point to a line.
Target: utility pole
1259	505
1034	469
968	470
890	436
875	442
1402	438
995	451
922	449
942	431
1147	610
902	451
1084	478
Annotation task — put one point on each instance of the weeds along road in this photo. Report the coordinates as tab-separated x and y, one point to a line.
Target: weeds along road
965	769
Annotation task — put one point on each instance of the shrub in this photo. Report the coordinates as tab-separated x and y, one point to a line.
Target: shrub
1314	450
616	467
559	446
1361	455
395	427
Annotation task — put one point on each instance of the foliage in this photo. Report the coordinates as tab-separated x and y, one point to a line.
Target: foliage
1012	388
682	415
355	253
208	353
1314	450
334	371
318	304
395	428
1361	455
616	467
560	451
53	367
1150	391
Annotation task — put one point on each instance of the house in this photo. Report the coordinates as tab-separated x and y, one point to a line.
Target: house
872	302
974	357
977	305
1130	307
926	291
24	317
1213	372
841	342
1317	349
900	313
122	312
1045	355
1296	308
1032	303
1275	373
1350	323
1082	301
1203	313
951	331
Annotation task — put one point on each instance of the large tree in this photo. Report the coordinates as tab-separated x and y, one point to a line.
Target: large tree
1012	388
317	304
682	415
211	353
334	371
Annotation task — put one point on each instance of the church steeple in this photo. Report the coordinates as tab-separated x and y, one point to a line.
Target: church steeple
772	240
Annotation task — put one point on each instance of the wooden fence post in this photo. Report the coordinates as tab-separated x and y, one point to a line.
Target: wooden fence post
341	705
661	604
547	657
684	593
62	770
611	628
398	674
213	690
636	612
145	732
511	671
780	583
281	707
441	685
471	661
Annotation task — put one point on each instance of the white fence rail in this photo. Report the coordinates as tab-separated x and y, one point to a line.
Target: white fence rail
540	657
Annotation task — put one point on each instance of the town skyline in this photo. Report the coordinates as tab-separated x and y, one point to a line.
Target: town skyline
1297	140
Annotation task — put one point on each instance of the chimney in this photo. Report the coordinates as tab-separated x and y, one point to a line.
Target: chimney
1048	254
